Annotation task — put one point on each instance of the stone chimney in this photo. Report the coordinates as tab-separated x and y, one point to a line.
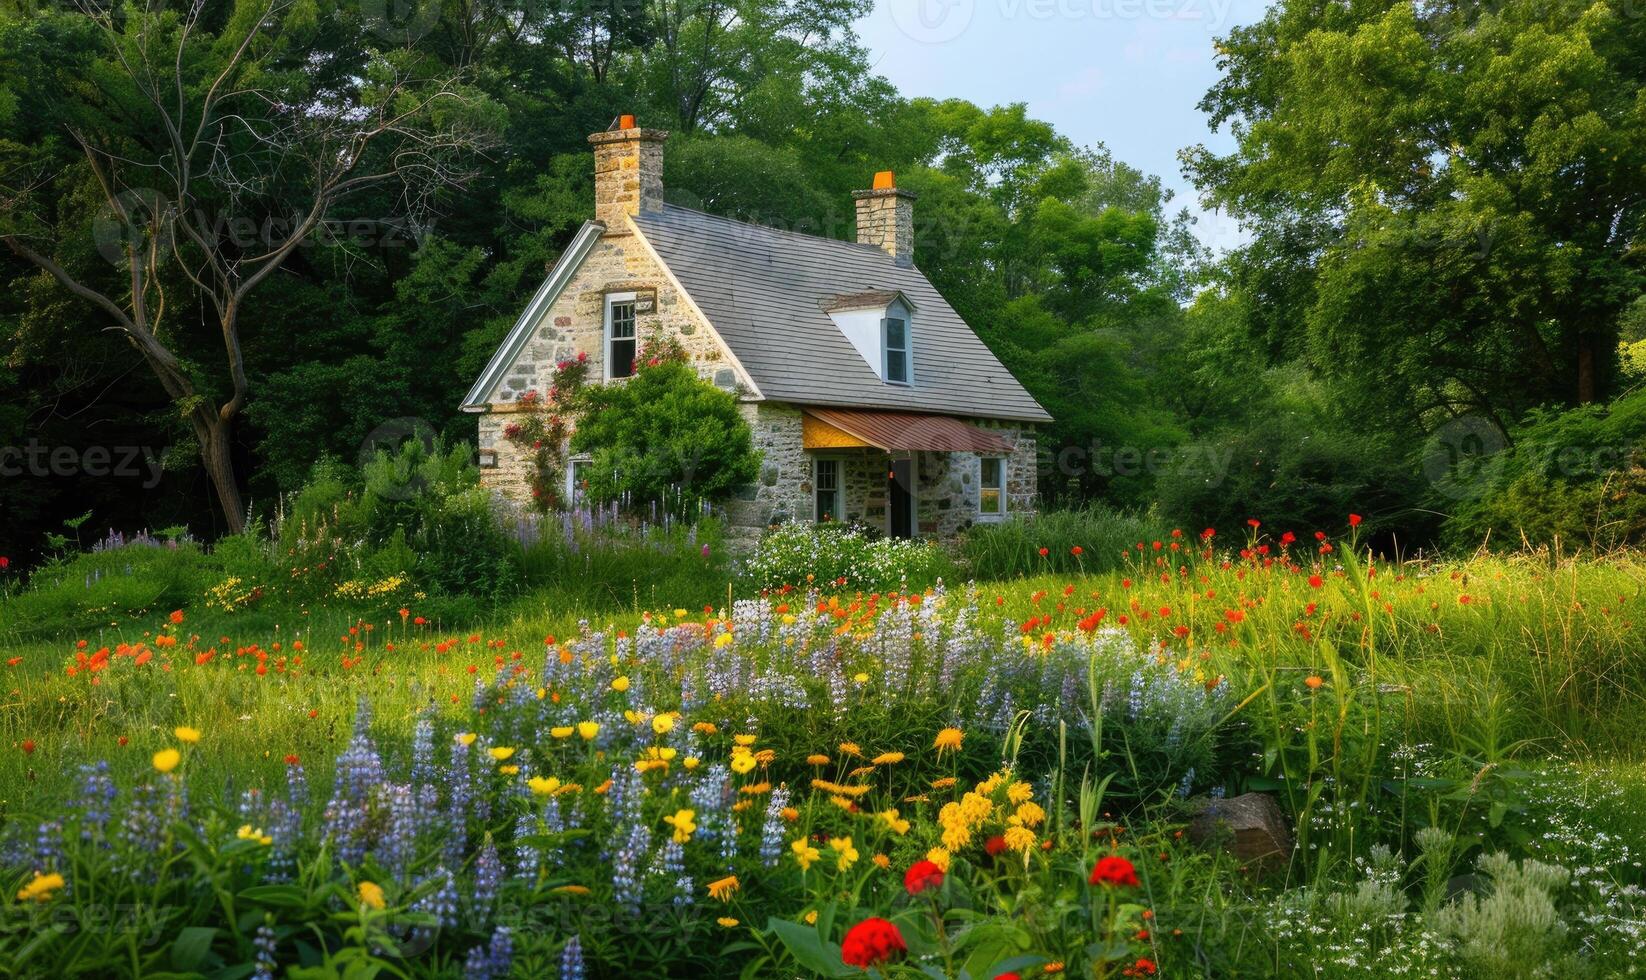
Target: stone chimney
628	172
885	218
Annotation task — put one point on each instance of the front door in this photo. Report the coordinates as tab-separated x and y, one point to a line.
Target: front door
900	499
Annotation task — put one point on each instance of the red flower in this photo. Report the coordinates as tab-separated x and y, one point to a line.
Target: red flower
176	617
1077	551
921	876
995	845
1354	520
871	943
1045	551
1114	871
5	563
1253	522
1144	967
291	760
1007	976
1315	581
28	746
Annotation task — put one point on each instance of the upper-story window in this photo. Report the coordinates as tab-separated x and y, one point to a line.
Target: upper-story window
620	335
896	333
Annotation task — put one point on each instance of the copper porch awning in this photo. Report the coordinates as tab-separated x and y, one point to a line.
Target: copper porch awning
839	428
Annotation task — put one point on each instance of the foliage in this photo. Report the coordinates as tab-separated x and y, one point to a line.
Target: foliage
1047	542
664	436
797	554
1572	478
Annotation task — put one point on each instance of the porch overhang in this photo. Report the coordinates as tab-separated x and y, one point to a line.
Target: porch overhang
838	428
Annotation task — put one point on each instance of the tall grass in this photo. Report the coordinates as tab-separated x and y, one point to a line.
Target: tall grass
1012	548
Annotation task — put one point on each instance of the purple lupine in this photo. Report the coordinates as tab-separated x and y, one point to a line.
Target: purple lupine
96	803
488	874
771	829
571	959
459	781
264	943
627	889
440	903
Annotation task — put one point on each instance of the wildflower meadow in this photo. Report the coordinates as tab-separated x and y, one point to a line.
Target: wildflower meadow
1018	778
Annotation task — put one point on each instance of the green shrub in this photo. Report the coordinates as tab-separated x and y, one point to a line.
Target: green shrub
571	563
1571	476
799	554
1011	548
663	435
93	589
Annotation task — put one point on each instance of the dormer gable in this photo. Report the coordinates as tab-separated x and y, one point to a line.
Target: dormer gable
880	324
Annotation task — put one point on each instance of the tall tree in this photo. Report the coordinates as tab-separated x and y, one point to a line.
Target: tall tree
1446	199
217	141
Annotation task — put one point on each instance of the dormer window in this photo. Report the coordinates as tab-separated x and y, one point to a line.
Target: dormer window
620	336
895	331
880	325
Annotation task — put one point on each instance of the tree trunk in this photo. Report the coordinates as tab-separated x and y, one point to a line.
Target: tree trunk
217	455
1586	384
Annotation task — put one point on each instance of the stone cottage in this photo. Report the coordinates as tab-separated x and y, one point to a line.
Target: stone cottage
869	398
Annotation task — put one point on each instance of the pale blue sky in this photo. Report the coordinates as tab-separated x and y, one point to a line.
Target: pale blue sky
1127	73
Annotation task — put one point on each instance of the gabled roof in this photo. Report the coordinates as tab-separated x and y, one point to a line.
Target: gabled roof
765	292
553	284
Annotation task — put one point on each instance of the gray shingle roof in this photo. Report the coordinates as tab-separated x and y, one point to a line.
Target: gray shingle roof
764	291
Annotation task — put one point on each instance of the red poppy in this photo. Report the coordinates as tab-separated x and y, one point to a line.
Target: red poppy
1114	871
921	876
872	942
291	760
28	746
1045	551
5	563
1315	581
1354	520
1077	551
1253	522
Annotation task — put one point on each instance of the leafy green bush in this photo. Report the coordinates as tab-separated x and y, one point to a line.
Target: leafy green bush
663	435
624	566
114	582
1011	548
799	554
1571	476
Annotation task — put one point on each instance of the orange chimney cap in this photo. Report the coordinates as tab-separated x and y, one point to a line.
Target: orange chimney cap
625	122
884	181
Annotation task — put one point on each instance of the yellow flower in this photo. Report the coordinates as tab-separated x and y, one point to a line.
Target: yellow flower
561	731
1019	792
621	683
186	734
811	917
41	888
860	677
509	770
166	760
948	740
680	614
247	832
882	862
1029	814
724	888
945	783
843	847
817	759
543	785
467	738
893	822
887	759
742	763
940	857
588	730
790	814
691	762
371	896
1019	839
850	748
706	727
500	753
804	853
682	822
744	740
662	723
722	641
836	788
727	921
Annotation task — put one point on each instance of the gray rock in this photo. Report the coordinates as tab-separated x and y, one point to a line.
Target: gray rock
1250	826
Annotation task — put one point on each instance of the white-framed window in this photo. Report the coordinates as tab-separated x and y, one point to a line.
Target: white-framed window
991	488
894	337
621	343
829	488
577	480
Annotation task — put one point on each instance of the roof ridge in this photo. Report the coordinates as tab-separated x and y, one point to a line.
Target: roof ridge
773	229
